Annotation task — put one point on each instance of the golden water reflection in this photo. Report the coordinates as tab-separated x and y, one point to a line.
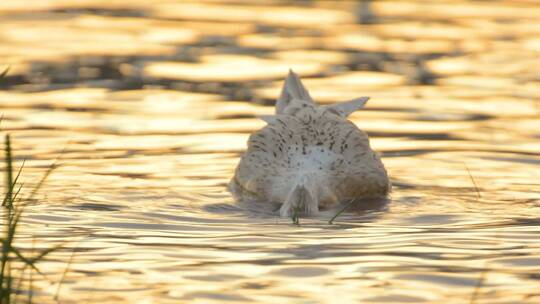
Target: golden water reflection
150	105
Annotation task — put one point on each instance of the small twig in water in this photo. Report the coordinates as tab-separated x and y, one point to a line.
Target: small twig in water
331	221
478	196
479	285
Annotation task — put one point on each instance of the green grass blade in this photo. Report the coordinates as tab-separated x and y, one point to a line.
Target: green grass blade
45	252
349	204
12	229
296	216
4	73
25	260
4	261
15	181
14	206
41	182
8	201
4	202
56	298
16	194
19	173
53	167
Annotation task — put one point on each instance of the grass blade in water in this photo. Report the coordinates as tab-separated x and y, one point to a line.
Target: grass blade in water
331	221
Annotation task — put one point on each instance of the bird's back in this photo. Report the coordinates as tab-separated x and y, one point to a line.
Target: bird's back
309	157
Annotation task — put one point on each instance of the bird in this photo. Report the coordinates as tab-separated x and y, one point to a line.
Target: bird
309	157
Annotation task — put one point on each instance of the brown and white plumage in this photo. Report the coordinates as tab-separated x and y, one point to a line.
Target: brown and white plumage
309	157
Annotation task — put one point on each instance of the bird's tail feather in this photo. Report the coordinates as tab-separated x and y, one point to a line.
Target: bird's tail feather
301	198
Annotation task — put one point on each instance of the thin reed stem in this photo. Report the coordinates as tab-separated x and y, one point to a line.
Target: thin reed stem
478	195
349	204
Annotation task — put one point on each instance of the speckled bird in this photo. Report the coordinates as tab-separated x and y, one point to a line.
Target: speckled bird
309	157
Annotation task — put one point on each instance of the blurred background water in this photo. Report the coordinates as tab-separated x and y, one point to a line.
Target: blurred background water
150	104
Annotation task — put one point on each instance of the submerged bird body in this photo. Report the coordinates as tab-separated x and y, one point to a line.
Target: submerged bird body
309	157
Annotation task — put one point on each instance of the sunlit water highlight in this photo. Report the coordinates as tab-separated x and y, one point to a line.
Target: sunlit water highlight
150	103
